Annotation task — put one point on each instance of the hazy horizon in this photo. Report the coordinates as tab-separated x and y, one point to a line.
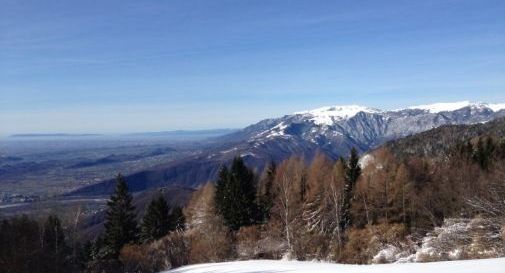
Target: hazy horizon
195	130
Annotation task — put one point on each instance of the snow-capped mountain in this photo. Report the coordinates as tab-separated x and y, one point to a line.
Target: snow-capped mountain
336	129
332	130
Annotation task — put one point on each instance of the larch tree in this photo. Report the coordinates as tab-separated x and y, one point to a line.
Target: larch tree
209	238
288	205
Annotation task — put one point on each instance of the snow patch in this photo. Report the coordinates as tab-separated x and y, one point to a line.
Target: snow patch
267	266
442	106
248	154
365	160
276	131
496	106
330	114
229	151
452	106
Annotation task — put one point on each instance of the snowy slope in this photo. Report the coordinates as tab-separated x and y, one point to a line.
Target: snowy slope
453	106
330	114
264	266
333	130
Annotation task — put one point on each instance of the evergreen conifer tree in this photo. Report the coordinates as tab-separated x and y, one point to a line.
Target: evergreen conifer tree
120	222
484	152
236	194
177	219
54	248
352	173
265	195
156	222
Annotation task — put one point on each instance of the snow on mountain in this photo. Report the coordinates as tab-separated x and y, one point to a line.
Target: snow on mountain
328	115
452	106
496	107
331	130
356	121
267	266
442	107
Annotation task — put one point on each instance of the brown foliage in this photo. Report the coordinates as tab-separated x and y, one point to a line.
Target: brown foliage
209	239
247	241
363	244
168	252
290	187
213	246
136	258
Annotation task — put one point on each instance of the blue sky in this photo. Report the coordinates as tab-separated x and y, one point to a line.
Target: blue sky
128	66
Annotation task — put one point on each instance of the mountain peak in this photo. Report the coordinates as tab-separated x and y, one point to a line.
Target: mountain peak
329	114
452	106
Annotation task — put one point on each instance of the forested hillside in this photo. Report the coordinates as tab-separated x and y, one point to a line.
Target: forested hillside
434	196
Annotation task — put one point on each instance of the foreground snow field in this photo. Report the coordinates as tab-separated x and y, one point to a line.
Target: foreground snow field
267	266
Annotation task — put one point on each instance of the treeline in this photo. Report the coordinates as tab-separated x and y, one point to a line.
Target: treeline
27	245
344	211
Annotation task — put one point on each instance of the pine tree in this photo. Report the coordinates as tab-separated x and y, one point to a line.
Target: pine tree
120	223
54	247
352	173
156	222
176	219
484	152
236	194
265	194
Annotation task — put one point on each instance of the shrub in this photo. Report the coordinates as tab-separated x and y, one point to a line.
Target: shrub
135	258
172	250
363	244
462	239
247	241
214	246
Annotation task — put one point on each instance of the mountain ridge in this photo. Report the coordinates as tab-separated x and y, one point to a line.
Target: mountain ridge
341	128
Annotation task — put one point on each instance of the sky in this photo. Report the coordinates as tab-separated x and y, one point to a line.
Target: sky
132	66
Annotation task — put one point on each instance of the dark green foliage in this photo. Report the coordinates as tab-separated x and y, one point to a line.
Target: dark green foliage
96	246
303	187
84	255
177	221
484	152
236	194
26	246
352	173
156	222
20	247
440	140
265	194
120	223
466	150
54	248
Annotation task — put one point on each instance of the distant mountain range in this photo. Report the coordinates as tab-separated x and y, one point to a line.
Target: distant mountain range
185	134
176	134
333	130
56	135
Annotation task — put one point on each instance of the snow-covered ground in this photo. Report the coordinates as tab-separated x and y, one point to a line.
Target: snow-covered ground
267	266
